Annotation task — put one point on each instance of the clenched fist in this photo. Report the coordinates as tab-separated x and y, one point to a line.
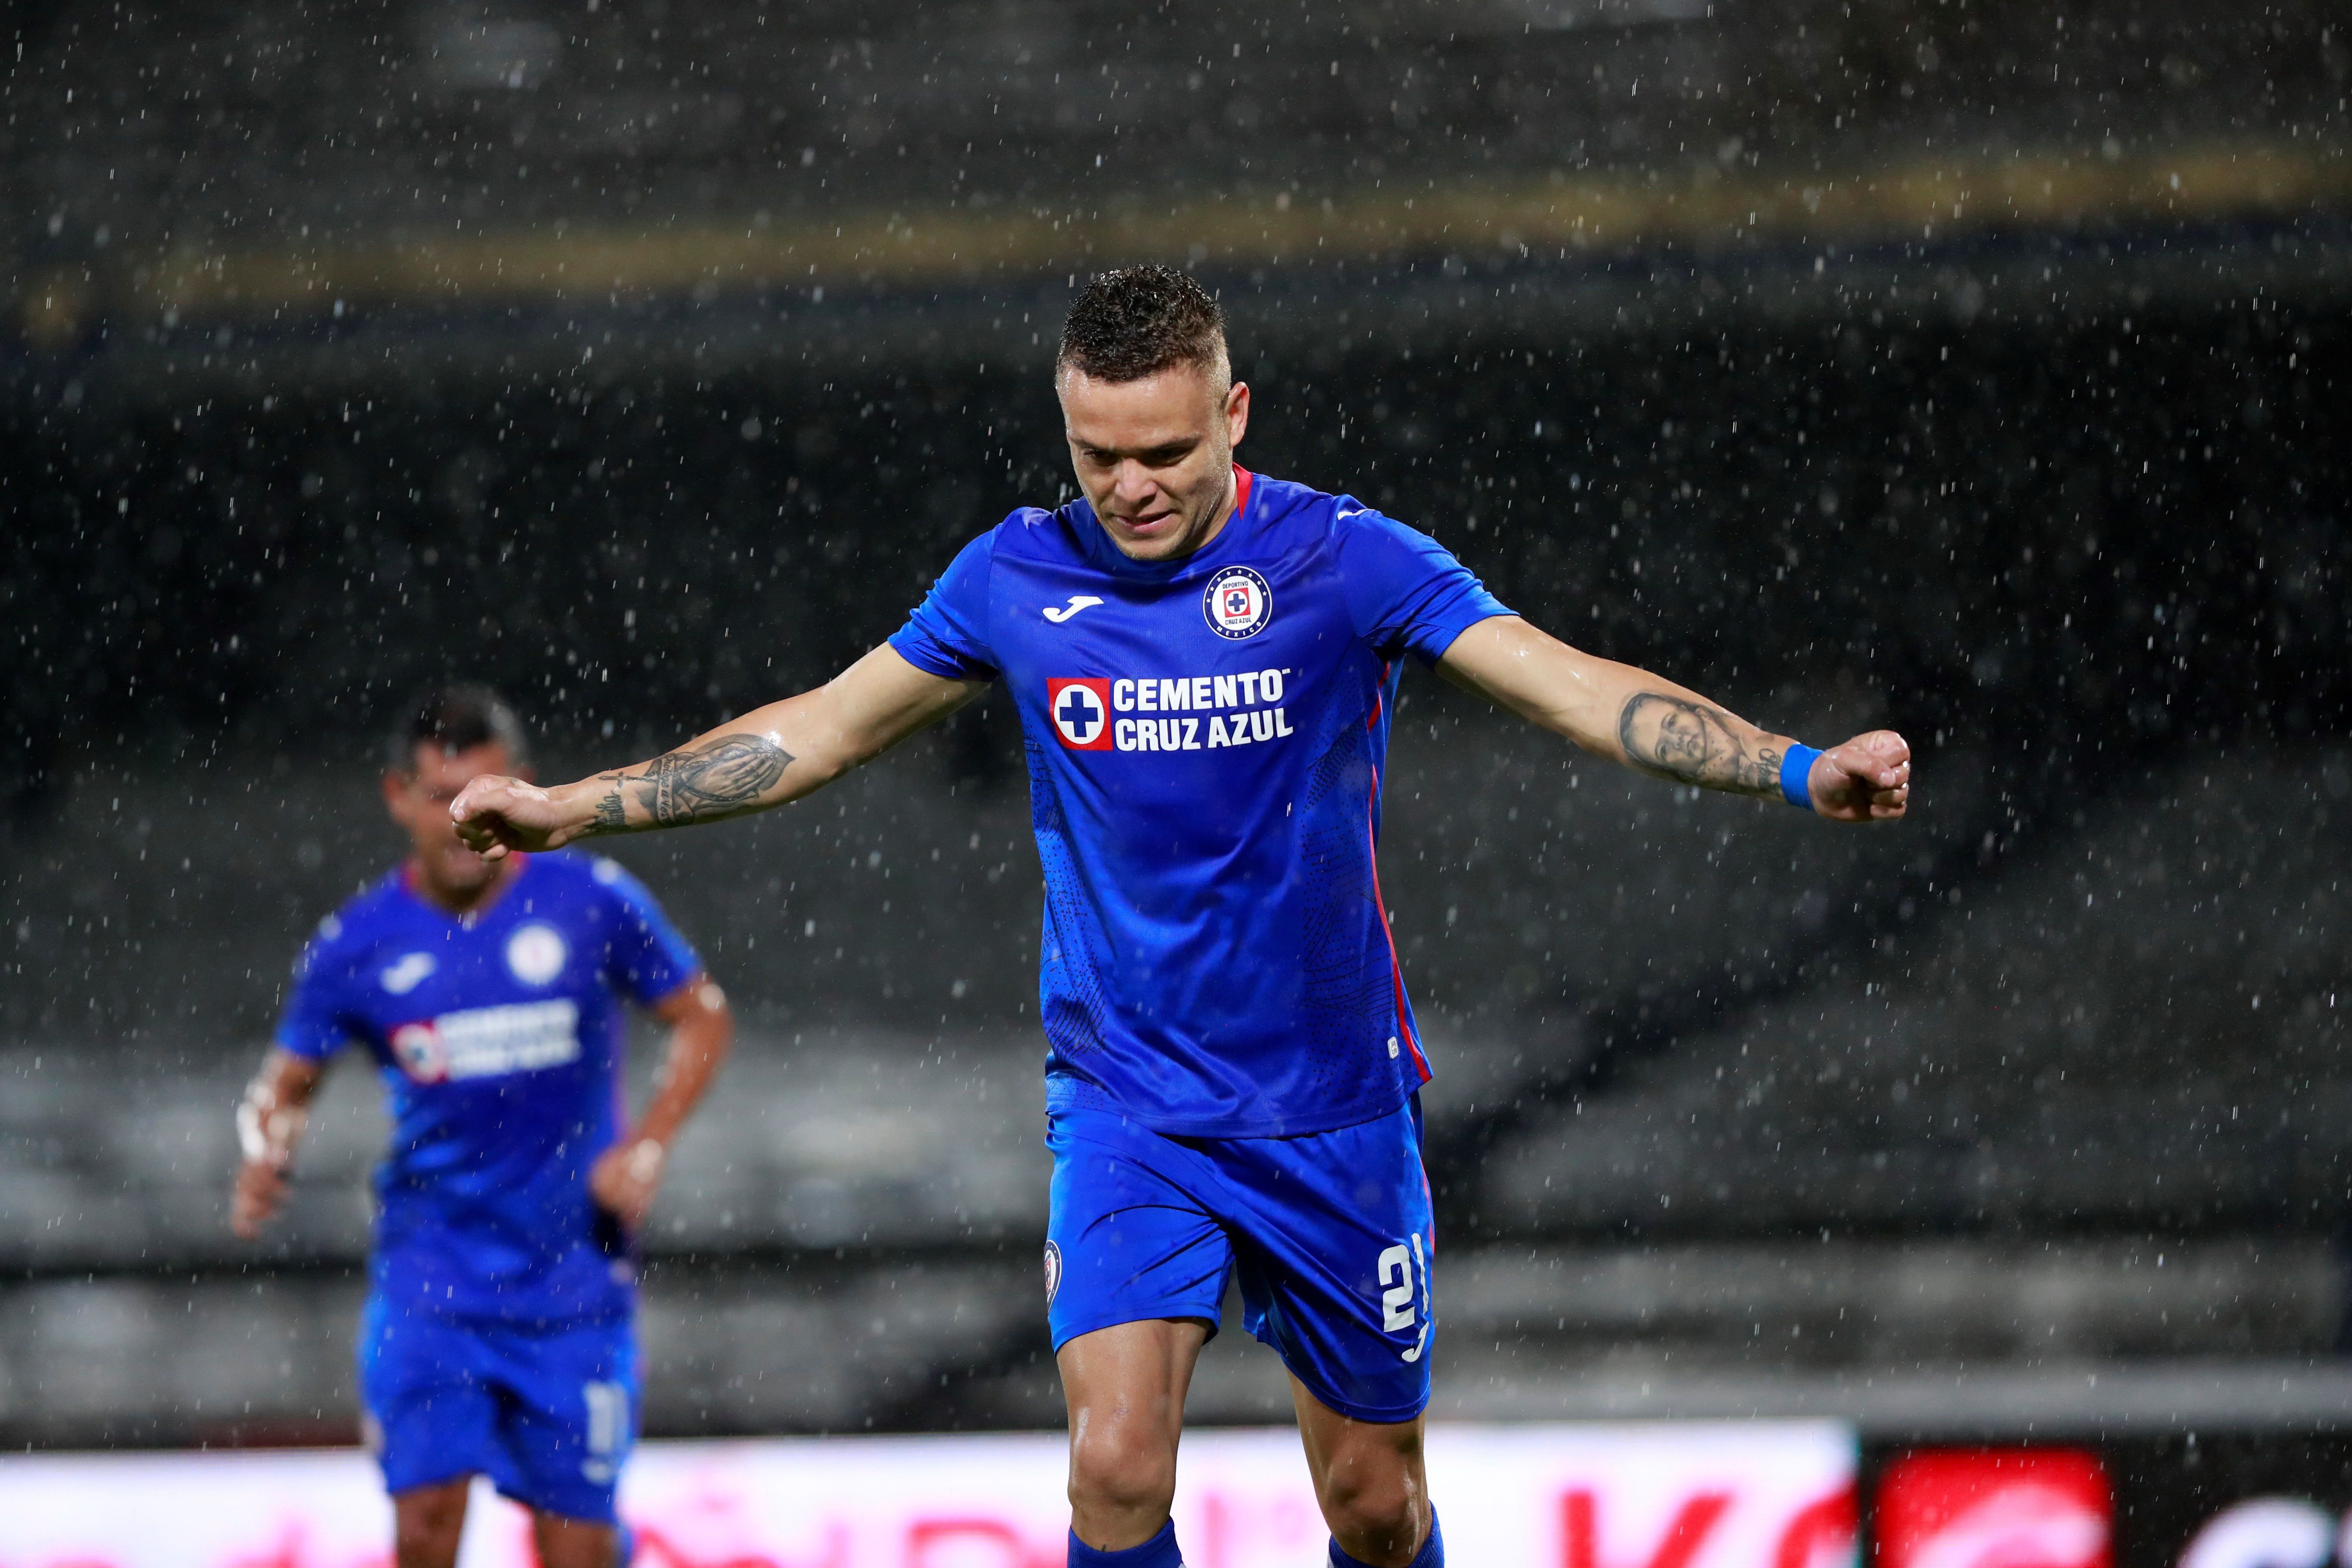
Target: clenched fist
496	815
1868	779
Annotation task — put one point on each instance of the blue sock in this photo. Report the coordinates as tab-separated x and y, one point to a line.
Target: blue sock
1432	1550
1160	1552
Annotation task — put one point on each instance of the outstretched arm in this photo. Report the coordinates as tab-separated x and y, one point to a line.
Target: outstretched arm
763	759
701	1031
1655	727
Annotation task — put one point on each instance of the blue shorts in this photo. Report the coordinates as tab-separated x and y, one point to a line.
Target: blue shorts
548	1412
1331	1235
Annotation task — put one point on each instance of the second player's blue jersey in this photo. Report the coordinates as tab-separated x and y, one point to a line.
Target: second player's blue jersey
501	1037
1206	739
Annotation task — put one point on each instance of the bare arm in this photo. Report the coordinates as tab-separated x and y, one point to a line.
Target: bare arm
1655	727
701	1033
270	1121
769	756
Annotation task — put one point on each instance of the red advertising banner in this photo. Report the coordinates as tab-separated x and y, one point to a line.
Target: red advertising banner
1994	1508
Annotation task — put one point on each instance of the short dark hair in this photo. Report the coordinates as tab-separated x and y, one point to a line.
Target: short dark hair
457	718
1139	321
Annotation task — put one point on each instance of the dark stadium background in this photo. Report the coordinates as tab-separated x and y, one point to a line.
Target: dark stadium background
1976	369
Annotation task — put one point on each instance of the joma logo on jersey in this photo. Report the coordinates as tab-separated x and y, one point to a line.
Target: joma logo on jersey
1081	713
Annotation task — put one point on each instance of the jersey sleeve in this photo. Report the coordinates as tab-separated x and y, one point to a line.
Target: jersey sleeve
647	958
316	1022
1405	591
947	635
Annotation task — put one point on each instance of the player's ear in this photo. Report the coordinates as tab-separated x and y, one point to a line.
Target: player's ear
395	792
1237	402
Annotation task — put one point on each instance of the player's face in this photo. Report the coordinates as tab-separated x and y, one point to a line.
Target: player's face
1155	457
419	800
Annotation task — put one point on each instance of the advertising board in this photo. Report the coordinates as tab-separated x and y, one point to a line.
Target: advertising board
1751	1494
2258	1498
2277	1500
1993	1508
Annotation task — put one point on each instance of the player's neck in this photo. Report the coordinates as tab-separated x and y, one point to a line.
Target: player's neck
1236	497
1237	490
461	900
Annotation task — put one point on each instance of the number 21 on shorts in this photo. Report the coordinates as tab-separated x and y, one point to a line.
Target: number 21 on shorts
1403	1274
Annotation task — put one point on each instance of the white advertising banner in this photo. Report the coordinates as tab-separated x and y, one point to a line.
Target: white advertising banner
1753	1495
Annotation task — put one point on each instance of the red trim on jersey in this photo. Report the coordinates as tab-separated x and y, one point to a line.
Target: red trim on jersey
1241	480
1396	970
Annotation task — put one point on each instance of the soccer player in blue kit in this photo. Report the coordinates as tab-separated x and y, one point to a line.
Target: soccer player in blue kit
497	1337
1205	662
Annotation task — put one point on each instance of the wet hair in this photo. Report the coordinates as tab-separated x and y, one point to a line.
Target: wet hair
457	718
1137	321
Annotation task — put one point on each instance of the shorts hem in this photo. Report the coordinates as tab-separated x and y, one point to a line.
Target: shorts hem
1353	1409
608	1515
1371	1414
464	1473
1113	1319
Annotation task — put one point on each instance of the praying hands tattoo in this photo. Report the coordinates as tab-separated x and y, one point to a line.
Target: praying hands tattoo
1692	742
725	777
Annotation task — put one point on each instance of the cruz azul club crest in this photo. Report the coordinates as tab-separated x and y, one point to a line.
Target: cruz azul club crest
1081	713
1238	603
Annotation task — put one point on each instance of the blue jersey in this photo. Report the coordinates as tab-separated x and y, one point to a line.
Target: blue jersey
1205	739
501	1037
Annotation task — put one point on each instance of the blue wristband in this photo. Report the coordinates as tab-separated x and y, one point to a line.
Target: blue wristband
1795	769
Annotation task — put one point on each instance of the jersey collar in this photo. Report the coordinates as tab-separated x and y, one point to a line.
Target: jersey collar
1096	545
479	912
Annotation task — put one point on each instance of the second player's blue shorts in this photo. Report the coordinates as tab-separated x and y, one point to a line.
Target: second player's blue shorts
548	1412
1330	1234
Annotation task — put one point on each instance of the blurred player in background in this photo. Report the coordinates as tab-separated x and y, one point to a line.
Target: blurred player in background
499	1337
1205	662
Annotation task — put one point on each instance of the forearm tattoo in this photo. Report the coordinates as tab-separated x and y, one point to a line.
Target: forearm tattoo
1692	742
723	778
